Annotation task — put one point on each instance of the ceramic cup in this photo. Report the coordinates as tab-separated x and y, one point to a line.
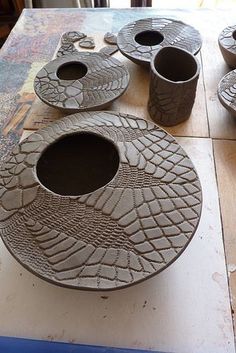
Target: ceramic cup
173	83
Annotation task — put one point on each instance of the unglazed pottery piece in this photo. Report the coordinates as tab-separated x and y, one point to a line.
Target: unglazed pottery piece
140	39
110	38
227	44
87	43
98	200
72	36
227	92
66	49
109	49
173	84
82	81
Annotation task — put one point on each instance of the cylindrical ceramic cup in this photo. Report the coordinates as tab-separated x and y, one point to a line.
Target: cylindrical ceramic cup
173	83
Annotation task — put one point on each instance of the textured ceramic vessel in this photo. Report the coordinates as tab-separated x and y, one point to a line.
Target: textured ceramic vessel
227	92
98	200
173	83
227	44
81	81
138	40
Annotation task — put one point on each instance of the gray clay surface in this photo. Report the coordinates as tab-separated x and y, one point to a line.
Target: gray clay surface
117	235
227	92
66	49
138	40
100	81
109	50
173	84
227	44
72	36
110	38
87	43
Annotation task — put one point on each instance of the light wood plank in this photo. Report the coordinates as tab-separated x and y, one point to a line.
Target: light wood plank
225	159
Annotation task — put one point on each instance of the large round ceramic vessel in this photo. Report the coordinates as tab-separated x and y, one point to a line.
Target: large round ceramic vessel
138	40
81	81
99	201
227	44
227	92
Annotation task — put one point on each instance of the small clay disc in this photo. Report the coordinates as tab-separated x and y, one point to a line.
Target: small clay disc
87	43
110	38
72	36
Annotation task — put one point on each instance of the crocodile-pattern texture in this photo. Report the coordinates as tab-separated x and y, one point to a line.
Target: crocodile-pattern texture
175	33
171	103
87	43
106	79
66	49
227	92
110	38
118	235
67	43
227	44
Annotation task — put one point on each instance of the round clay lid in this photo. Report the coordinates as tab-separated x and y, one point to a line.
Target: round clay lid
99	201
138	40
81	81
227	92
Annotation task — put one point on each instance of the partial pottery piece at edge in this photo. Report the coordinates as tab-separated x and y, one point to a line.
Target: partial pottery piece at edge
227	92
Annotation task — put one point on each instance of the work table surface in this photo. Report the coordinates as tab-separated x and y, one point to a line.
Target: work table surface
188	307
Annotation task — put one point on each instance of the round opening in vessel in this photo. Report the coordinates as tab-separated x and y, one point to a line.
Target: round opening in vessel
234	34
175	64
71	71
78	164
149	38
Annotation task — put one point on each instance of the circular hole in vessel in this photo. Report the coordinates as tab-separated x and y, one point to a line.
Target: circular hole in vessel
149	38
71	71
175	64
78	164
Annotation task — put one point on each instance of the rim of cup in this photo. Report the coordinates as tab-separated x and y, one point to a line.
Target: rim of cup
194	71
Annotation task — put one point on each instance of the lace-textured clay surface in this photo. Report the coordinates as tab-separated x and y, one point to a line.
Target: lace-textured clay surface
81	81
227	92
140	39
227	44
67	42
120	234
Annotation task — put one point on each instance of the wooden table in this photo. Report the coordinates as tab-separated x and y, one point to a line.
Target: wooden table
187	308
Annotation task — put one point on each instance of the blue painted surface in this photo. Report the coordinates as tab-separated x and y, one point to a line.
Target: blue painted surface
22	345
